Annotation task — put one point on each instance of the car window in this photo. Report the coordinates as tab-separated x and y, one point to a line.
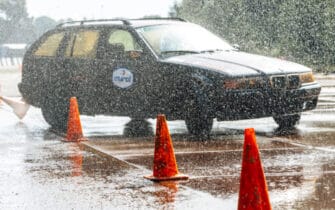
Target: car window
182	38
50	45
83	44
123	38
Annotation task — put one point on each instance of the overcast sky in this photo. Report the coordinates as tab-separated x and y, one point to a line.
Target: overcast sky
94	9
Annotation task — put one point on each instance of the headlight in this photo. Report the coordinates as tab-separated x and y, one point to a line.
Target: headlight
306	77
244	83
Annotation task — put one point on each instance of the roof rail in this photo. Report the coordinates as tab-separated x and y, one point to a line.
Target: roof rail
123	21
82	22
162	18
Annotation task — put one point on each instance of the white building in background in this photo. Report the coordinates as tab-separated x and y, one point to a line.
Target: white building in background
11	56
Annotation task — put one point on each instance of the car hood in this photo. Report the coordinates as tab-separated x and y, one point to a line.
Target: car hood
238	63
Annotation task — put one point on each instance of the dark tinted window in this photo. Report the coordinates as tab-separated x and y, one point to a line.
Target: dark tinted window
123	38
50	45
83	44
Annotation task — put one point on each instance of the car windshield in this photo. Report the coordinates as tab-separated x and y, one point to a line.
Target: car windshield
172	39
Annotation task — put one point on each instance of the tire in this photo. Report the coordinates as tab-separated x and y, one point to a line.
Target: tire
287	121
198	120
55	113
137	127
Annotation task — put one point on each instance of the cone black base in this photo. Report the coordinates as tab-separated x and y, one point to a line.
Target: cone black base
176	177
71	141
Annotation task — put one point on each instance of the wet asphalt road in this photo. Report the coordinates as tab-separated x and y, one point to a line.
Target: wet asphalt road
39	171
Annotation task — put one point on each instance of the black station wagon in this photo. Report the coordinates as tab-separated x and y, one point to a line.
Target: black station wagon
140	68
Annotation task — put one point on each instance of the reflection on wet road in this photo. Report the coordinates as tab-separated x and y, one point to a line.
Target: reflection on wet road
38	171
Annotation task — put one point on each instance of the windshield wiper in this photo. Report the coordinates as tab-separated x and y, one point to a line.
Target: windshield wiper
180	52
213	50
192	51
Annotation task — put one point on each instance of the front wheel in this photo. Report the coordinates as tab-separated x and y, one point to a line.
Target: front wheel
55	113
287	121
199	125
198	120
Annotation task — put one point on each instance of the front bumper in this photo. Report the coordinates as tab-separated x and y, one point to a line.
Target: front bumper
249	104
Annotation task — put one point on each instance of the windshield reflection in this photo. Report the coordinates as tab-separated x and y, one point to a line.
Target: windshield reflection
175	39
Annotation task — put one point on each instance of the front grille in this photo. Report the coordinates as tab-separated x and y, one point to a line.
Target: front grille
293	81
285	82
278	82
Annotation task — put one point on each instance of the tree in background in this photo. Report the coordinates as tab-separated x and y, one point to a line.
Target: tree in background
302	26
300	30
43	24
329	34
15	25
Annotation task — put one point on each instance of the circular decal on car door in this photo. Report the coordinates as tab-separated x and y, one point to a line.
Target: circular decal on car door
123	78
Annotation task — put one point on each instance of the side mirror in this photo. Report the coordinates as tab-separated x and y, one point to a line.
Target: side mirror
236	47
135	54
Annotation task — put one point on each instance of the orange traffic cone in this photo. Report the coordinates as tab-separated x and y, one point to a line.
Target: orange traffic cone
253	189
74	129
165	165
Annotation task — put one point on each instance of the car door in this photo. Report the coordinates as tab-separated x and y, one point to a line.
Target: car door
125	74
45	67
80	63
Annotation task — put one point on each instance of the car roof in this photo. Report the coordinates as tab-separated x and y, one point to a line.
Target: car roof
150	22
135	23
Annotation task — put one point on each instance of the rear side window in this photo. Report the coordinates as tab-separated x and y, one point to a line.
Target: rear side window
125	39
83	44
50	45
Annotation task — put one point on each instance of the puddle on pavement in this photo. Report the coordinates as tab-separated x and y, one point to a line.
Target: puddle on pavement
60	175
313	186
215	168
320	139
75	161
71	169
